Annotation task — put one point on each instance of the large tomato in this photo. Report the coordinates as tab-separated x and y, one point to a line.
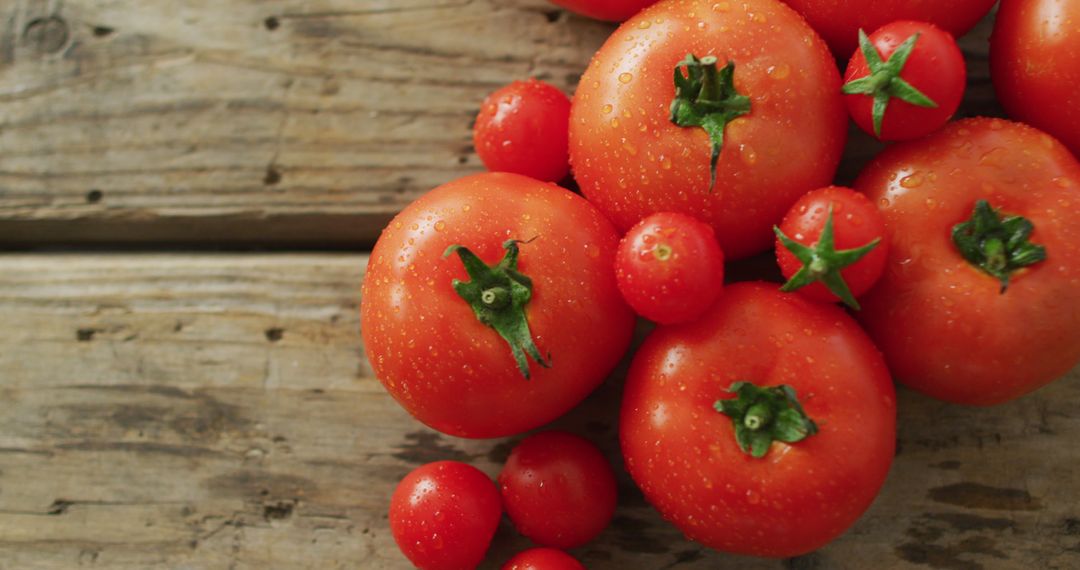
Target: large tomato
613	10
427	343
839	21
782	119
988	329
811	479
1035	65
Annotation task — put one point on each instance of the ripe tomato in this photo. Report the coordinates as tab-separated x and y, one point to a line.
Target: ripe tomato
912	85
1035	65
558	489
782	107
522	128
948	327
426	342
543	559
784	499
444	514
670	268
839	21
845	264
611	10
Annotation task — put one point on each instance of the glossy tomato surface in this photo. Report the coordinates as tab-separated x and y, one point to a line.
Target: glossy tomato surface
683	453
611	10
444	514
522	128
946	327
631	160
426	344
1035	65
543	559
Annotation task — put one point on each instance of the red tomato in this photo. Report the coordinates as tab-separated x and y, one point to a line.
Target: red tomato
543	559
670	268
848	263
1035	65
914	85
839	21
683	452
444	514
611	10
522	128
946	325
785	118
558	489
426	342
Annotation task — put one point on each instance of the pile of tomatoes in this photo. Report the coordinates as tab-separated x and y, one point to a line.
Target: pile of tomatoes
758	418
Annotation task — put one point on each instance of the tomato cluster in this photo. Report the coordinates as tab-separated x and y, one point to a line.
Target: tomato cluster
758	417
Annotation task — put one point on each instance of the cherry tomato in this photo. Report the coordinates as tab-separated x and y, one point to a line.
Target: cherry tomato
975	317
912	85
522	128
848	262
839	21
669	267
772	105
766	427
1035	65
558	489
444	514
560	324
611	10
543	559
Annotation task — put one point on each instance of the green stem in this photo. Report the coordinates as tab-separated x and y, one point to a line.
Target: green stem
761	415
996	244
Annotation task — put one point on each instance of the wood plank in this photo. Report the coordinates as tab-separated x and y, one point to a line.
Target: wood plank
284	122
214	411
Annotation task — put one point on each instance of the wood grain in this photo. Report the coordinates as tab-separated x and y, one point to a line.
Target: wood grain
216	411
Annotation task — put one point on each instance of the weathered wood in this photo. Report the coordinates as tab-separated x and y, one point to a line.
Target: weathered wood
215	411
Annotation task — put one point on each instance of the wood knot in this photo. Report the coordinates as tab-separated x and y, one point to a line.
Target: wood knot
46	35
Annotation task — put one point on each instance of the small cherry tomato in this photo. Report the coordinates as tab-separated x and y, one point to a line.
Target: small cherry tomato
905	81
670	268
558	489
543	559
841	263
444	514
523	128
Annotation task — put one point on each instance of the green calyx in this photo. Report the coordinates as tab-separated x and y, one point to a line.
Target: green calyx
995	244
822	262
763	415
884	81
498	295
706	97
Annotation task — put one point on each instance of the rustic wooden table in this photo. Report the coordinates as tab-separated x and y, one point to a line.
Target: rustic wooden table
186	191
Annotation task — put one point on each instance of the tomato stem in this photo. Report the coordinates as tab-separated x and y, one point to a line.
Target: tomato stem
761	415
996	244
757	417
496	297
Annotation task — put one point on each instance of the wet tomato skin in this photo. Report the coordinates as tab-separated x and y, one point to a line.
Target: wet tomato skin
543	559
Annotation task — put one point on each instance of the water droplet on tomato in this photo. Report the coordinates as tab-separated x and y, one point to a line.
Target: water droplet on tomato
626	77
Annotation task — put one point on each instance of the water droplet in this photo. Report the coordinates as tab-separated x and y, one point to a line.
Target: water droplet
626	77
644	24
721	7
607	109
781	71
911	181
748	154
665	162
440	226
614	122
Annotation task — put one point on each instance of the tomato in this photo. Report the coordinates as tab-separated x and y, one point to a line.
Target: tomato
543	559
553	295
967	331
443	515
766	471
848	262
558	489
612	10
522	128
670	268
912	85
839	21
778	124
1035	65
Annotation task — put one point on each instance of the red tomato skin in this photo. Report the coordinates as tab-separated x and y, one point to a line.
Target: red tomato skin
936	68
522	128
543	559
1035	65
610	10
559	489
838	21
631	161
856	222
683	454
680	287
443	515
943	325
425	343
